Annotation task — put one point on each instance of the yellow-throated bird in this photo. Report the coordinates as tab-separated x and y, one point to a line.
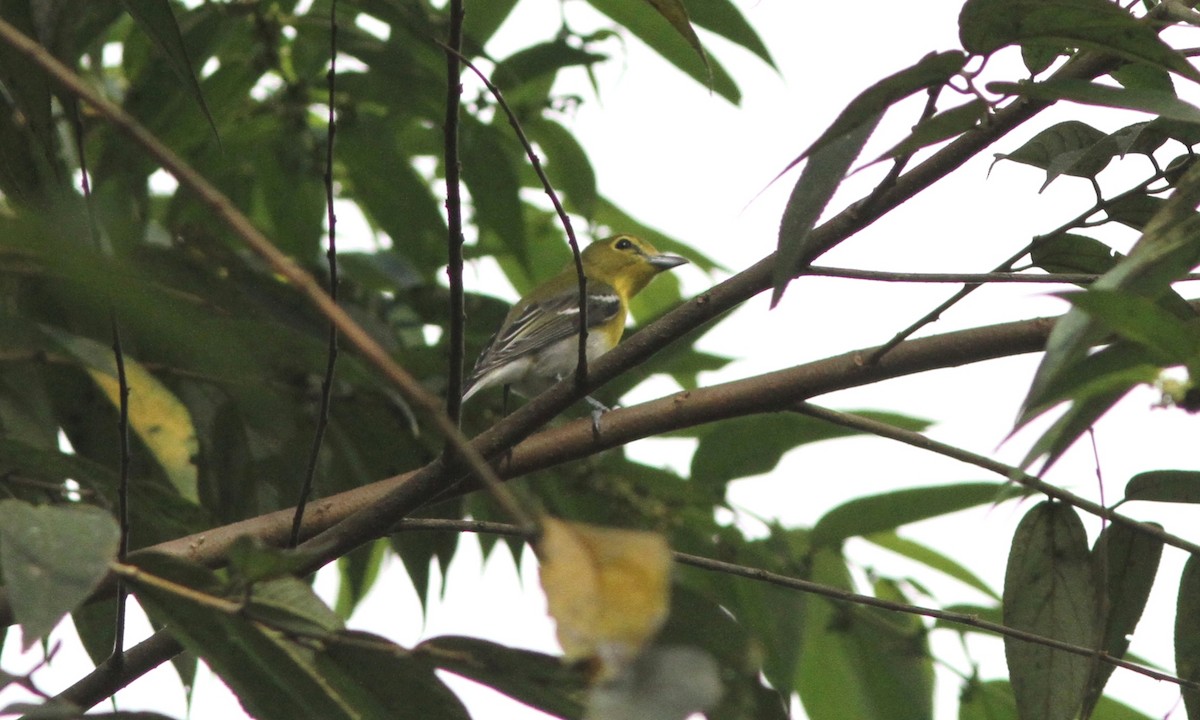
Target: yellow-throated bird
538	343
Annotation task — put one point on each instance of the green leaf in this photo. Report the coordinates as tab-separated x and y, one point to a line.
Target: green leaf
1135	211
489	172
567	164
1050	590
933	70
942	126
1156	102
985	26
359	570
1178	486
1128	561
931	558
158	417
1068	148
858	662
675	13
822	174
890	510
669	41
1142	321
1140	76
275	676
485	19
52	558
1187	633
990	700
1071	253
763	439
391	192
538	62
156	19
535	679
1083	413
1168	248
725	19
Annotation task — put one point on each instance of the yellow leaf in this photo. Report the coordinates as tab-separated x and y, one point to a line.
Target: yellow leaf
607	590
155	414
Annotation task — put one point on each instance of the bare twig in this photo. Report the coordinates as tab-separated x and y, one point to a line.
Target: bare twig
967	278
581	367
314	454
454	225
122	394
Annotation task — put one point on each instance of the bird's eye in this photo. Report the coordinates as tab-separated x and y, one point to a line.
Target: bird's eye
623	244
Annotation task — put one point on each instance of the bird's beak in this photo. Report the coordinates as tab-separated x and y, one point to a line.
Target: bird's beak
666	262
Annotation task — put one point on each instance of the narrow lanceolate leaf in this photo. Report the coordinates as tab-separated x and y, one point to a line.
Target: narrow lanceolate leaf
1157	102
156	19
655	30
824	172
887	511
1168	248
725	19
677	15
931	558
1050	589
1187	633
942	126
933	70
325	672
1178	486
858	662
1127	561
985	26
52	558
1142	321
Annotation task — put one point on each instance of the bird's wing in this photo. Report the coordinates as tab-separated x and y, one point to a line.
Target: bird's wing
546	322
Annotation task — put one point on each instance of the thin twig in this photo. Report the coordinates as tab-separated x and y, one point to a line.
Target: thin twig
314	454
117	656
1007	265
581	367
908	437
826	591
968	278
454	225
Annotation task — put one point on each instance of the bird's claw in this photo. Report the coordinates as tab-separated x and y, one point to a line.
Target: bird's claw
598	410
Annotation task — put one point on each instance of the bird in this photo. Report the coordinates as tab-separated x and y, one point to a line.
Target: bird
538	343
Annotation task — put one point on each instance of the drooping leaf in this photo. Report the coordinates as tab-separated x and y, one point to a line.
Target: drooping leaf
931	558
1157	102
276	675
940	127
52	558
1142	321
655	30
985	26
861	662
536	679
1187	633
158	22
1050	589
676	13
155	413
888	511
1127	561
1168	248
763	439
822	174
725	19
1180	486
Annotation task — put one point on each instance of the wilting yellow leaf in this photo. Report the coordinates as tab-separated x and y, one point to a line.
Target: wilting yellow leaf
155	414
607	590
